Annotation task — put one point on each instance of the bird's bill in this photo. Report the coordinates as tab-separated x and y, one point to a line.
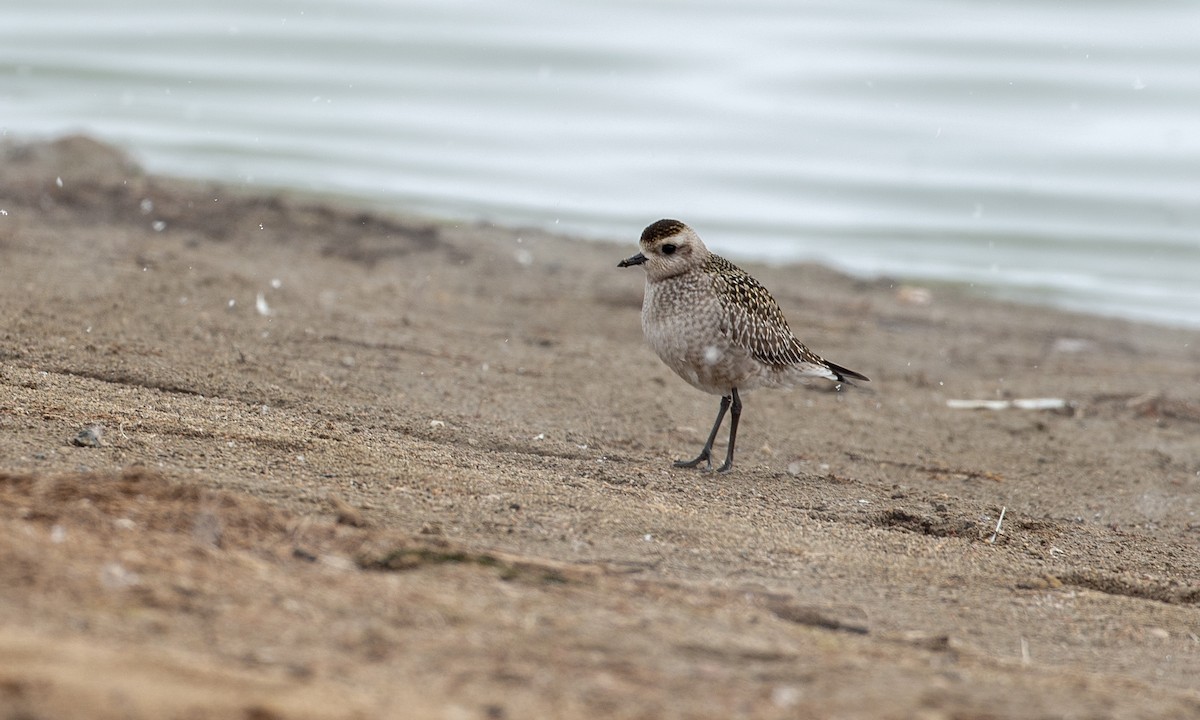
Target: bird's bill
635	260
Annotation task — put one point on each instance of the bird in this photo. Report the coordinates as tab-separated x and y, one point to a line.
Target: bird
718	328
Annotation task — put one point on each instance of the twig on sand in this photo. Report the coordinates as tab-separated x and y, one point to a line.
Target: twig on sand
1018	403
996	532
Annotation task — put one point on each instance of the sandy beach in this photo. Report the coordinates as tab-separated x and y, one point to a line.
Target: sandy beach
266	455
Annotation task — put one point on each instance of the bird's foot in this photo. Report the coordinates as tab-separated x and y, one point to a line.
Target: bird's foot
705	456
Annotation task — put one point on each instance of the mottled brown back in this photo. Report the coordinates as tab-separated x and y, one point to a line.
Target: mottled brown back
753	319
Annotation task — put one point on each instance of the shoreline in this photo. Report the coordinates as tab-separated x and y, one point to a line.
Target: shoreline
1047	296
352	464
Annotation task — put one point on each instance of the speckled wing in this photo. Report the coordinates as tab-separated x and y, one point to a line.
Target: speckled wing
752	318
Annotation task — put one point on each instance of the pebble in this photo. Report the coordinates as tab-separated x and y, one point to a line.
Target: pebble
90	436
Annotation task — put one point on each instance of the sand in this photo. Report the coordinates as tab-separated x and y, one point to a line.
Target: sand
265	455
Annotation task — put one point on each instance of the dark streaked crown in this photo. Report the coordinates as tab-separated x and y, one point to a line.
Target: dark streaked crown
662	229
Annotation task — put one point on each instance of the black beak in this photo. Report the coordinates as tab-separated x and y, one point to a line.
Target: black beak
635	260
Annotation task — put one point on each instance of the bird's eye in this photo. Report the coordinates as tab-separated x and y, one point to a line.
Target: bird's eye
668	249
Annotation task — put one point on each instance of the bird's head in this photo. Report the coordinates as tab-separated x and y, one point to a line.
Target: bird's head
669	248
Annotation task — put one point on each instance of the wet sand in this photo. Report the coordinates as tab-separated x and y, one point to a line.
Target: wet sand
273	456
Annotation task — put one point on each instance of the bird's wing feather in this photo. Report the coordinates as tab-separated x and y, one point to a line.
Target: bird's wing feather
753	320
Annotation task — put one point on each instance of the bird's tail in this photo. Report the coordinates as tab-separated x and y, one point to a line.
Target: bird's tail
845	375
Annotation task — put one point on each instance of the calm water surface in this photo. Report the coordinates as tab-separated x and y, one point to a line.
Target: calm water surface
1048	152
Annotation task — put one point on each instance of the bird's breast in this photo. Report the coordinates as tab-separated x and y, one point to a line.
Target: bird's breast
682	320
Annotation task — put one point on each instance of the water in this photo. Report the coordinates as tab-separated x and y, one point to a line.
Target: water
1048	152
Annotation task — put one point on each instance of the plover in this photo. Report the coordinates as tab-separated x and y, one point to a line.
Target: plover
717	327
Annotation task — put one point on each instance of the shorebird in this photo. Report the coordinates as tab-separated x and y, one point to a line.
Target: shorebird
717	327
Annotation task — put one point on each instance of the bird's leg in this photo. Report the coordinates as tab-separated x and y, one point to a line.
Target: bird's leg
735	412
705	455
